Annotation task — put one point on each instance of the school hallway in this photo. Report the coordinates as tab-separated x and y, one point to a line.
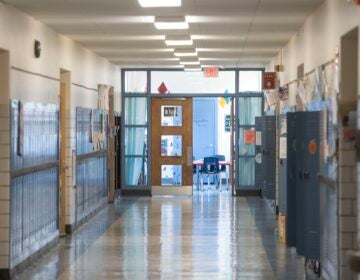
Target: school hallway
209	236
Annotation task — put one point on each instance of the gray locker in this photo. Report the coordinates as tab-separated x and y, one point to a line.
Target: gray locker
300	190
282	190
259	179
311	185
269	156
291	180
307	195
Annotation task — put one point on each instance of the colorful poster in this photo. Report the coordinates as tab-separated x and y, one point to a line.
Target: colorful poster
250	136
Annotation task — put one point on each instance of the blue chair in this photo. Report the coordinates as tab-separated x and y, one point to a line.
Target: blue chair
210	167
223	170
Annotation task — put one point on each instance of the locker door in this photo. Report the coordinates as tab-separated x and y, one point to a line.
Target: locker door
291	180
282	166
300	191
312	193
270	158
259	178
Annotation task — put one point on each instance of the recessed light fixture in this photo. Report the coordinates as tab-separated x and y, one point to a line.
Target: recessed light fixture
189	61
167	23
159	3
185	52
193	68
181	40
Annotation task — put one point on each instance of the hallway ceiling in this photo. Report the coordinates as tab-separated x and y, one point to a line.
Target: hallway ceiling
226	33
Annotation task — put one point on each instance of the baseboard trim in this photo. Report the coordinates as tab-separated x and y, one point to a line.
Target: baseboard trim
71	228
136	192
246	193
5	274
8	274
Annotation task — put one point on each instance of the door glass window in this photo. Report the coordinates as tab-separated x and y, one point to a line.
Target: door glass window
171	145
171	175
171	115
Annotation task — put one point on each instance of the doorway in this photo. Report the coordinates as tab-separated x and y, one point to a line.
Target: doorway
172	152
212	131
65	164
141	86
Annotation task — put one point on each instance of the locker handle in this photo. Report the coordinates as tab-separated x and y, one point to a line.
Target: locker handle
306	175
300	175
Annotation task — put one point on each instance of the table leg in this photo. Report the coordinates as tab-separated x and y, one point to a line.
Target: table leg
198	178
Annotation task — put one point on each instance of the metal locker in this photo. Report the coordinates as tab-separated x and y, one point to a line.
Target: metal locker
259	178
282	190
311	185
300	190
269	150
291	180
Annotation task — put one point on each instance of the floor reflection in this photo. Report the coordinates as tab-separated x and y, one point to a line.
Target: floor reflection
207	236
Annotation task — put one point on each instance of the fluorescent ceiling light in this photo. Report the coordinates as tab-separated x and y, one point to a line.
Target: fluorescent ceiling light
193	68
184	40
190	61
159	3
163	23
185	52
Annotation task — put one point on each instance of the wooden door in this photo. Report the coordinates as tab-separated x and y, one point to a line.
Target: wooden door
172	151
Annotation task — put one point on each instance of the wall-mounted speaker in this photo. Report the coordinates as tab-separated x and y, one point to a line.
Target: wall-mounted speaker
37	49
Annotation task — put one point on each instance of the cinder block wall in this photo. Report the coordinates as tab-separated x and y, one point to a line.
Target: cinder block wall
4	186
347	205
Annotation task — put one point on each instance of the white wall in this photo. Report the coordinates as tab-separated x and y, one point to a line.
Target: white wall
37	79
315	43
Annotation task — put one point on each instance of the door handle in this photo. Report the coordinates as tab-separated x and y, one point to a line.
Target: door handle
300	175
306	175
189	156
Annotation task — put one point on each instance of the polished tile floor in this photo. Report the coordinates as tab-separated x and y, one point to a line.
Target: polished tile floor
208	236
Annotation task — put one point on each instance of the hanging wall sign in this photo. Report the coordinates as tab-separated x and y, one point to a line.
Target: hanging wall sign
211	72
250	136
269	80
227	123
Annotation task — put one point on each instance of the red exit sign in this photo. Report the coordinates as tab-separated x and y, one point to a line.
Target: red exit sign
211	72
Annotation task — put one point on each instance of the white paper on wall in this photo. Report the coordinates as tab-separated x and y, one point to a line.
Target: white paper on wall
283	147
258	138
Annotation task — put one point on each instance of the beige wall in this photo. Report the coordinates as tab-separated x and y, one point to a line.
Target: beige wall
315	43
37	79
26	78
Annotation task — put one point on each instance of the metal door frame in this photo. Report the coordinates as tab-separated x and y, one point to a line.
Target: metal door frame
145	190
